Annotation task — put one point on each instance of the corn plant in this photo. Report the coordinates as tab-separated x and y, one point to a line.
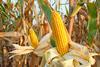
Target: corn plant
37	33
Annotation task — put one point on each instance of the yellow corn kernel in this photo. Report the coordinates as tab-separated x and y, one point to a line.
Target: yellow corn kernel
33	38
60	33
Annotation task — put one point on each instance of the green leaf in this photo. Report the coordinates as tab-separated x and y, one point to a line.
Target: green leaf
92	10
47	12
2	7
92	28
21	3
46	9
3	11
5	14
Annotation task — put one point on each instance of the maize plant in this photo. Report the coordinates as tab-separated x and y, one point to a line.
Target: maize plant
16	21
59	31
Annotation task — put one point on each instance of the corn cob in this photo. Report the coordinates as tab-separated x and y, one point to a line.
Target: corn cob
59	32
33	38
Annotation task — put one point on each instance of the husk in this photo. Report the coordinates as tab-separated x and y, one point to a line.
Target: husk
80	57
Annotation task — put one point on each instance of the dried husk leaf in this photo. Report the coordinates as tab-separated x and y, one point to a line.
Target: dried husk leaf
78	56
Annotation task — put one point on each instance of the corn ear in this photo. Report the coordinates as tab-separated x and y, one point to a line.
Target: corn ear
33	38
60	33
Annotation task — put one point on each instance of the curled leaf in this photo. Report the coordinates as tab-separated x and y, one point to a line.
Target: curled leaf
76	10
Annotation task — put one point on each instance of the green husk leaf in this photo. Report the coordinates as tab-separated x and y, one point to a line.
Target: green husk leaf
52	41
